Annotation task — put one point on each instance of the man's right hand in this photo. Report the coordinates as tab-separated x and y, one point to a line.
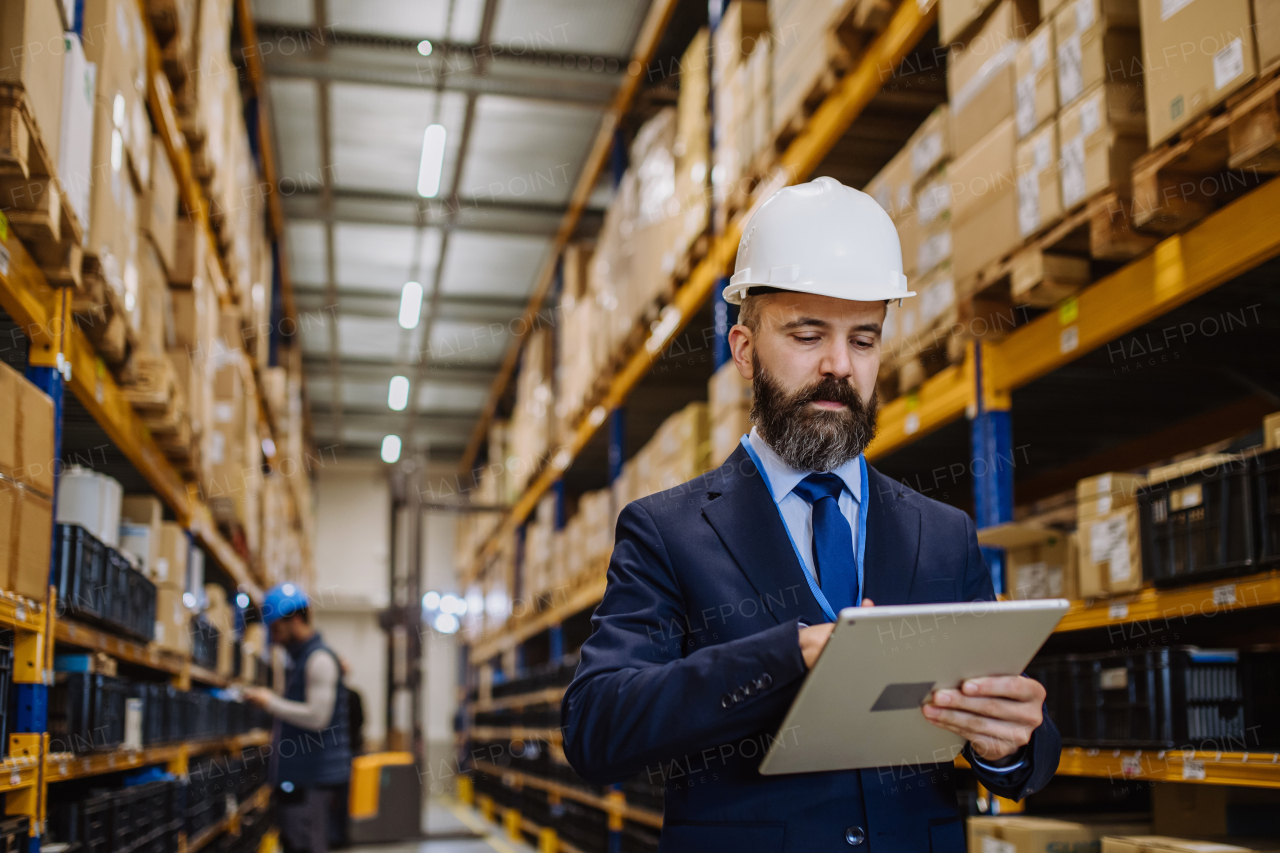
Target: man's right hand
814	637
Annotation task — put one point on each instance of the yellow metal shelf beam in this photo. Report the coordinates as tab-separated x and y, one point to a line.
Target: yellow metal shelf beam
1155	609
611	805
62	766
942	399
1255	770
1223	245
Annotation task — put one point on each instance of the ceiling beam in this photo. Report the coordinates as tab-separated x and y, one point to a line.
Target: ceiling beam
402	209
511	70
387	367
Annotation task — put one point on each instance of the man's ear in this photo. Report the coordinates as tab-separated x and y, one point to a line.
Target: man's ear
741	342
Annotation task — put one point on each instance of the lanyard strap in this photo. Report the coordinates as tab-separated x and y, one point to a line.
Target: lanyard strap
860	536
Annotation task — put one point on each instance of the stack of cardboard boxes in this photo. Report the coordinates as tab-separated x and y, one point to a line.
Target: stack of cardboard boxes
219	613
1027	834
1110	553
26	485
532	421
741	74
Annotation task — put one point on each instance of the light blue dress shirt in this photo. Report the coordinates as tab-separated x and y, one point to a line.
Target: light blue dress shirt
797	515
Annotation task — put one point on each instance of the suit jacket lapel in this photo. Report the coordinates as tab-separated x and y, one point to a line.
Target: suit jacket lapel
893	542
747	521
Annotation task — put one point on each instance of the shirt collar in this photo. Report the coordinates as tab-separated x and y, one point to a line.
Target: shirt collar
783	478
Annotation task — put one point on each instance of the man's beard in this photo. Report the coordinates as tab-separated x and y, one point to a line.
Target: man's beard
808	438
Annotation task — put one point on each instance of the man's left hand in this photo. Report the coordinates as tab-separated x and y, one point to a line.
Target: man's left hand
259	696
997	715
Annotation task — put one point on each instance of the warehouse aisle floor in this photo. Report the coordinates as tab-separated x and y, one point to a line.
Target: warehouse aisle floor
449	817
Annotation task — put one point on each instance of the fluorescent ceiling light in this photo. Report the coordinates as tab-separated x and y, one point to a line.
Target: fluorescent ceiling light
391	449
424	47
398	393
432	161
410	305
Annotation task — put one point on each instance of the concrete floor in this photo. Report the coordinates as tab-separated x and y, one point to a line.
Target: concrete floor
449	817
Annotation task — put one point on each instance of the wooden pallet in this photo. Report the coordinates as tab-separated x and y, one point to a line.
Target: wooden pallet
100	313
32	197
1066	256
1217	159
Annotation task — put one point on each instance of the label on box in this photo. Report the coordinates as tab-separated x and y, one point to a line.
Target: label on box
925	153
1028	202
1228	64
932	201
996	845
1186	498
1089	112
1024	93
1040	50
1119	562
1169	8
1192	771
1104	504
933	251
1040	154
936	298
1105	536
1116	678
133	724
1084	15
1070	73
1073	178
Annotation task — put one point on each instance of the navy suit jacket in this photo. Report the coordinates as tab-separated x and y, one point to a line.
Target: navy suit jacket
703	599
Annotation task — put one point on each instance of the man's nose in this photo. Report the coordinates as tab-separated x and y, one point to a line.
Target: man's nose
836	361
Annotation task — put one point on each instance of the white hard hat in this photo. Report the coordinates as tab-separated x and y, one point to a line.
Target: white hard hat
821	237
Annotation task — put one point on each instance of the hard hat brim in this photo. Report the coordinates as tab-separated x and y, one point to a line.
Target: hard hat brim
735	291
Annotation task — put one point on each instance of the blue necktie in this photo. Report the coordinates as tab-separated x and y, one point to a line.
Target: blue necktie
832	540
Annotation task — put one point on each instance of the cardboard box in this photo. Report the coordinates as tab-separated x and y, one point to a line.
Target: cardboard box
935	296
909	233
984	204
158	216
957	16
31	542
1270	431
1096	42
981	73
728	389
1098	495
1036	87
31	53
1164	844
1039	193
1097	142
930	145
1184	84
892	187
1266	30
1037	560
1110	554
1179	809
26	432
982	174
173	621
173	548
75	151
737	34
1024	834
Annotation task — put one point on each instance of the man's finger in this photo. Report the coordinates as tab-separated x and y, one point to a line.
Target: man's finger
972	725
1009	710
1015	687
866	602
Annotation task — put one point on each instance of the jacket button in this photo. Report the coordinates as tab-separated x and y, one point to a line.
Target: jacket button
737	695
855	835
749	688
766	681
726	701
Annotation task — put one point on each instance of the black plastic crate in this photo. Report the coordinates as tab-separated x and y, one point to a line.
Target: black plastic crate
78	567
141	612
15	835
1260	684
1266	490
6	687
1200	526
86	712
1160	698
204	643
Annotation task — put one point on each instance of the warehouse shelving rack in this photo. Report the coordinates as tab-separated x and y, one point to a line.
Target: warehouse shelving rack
60	359
1225	244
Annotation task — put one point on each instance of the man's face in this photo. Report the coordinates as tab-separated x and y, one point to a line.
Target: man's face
282	631
813	362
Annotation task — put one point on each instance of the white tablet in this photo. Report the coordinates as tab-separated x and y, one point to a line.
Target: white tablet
860	704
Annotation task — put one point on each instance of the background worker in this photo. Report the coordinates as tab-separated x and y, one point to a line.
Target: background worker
310	742
722	592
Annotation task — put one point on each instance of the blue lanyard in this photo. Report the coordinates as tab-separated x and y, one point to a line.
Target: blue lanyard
861	534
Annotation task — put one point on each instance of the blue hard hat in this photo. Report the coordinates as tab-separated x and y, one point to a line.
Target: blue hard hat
283	600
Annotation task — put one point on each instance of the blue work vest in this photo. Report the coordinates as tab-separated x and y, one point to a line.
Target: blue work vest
304	758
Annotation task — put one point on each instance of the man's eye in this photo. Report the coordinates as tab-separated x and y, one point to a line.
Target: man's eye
808	339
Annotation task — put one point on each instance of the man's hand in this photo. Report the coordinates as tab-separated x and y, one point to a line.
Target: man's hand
259	696
814	637
996	715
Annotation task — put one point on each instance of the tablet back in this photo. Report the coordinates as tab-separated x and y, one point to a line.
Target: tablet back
860	705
